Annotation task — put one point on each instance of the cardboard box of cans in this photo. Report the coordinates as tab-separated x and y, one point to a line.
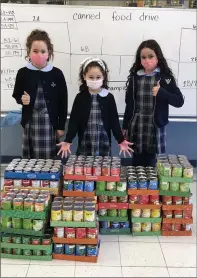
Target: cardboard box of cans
73	209
93	166
24	246
30	170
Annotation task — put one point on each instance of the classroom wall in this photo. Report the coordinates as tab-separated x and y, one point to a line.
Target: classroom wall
181	139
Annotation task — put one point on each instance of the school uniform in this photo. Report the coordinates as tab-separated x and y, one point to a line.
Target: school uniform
47	111
93	117
146	116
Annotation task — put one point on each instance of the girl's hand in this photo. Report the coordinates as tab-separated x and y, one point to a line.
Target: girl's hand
60	133
25	99
64	149
124	147
156	89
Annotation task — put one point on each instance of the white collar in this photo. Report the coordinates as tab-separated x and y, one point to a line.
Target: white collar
102	93
47	68
142	72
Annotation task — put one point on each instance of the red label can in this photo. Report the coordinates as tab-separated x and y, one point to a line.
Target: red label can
92	233
70	232
96	170
178	214
176	227
115	171
187	213
167	200
167	213
106	171
26	183
88	170
166	227
45	183
144	199
133	199
8	182
176	200
80	232
154	199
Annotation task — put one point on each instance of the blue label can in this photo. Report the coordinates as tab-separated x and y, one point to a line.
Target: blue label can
58	248
132	183
153	184
89	186
143	184
105	224
69	249
92	250
78	185
124	225
115	225
80	250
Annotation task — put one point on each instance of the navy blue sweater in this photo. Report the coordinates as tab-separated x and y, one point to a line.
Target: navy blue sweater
55	93
168	94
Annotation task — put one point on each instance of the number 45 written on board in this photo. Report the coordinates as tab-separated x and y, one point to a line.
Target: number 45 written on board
36	18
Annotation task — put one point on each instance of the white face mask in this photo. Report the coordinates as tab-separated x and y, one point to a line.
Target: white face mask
94	85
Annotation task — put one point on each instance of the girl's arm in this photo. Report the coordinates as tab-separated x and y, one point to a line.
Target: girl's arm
18	88
73	122
129	105
172	95
115	124
63	103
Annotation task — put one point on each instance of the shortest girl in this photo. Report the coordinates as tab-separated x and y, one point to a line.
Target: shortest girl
94	114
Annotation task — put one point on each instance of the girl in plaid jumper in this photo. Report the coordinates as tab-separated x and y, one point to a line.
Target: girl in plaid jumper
151	88
94	114
41	90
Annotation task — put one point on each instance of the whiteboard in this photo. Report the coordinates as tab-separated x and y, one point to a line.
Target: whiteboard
110	33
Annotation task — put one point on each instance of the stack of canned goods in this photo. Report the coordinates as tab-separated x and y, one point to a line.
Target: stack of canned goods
80	233
34	165
142	178
113	199
24	199
146	213
144	199
28	240
92	166
175	166
73	209
76	250
87	186
113	212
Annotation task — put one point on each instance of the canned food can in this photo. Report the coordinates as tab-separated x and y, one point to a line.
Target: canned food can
38	225
6	222
154	199
29	204
178	214
167	213
115	225
96	171
68	185
6	203
88	170
143	184
17	183
16	251
146	227
122	186
113	199
101	186
123	199
136	227
176	227
133	199
27	224
6	238
153	184
80	250
166	227
56	213
185	187
112	212
103	199
124	225
144	199
156	227
26	240
89	186
132	183
59	232
37	253
176	200
122	212
136	212
39	205
78	185
92	250
155	213
92	232
58	248
81	233
111	186
78	169
36	241
27	252
102	212
36	183
17	223
45	183
7	250
54	184
16	239
146	213
70	232
167	200
69	249
8	182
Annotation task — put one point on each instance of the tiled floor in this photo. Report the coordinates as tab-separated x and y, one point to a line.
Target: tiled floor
121	256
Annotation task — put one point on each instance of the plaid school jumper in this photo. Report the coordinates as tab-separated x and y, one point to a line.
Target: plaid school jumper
39	140
95	140
144	133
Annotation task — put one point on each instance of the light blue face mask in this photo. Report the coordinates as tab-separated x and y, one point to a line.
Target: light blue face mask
11	119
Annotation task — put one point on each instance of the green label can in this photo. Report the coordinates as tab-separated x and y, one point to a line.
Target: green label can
16	239
17	251
112	212
26	239
46	252
6	238
38	225
27	224
27	252
6	222
7	250
37	252
101	186
17	223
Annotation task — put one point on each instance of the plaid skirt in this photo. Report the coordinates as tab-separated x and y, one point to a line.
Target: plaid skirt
39	137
